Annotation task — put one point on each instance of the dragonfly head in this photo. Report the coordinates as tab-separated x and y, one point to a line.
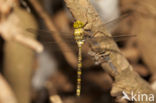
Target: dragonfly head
78	24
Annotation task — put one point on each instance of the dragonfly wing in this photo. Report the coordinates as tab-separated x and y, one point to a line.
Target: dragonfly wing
115	38
116	21
44	31
58	49
47	33
45	37
54	46
122	37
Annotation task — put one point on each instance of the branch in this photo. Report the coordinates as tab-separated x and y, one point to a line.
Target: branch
125	78
70	56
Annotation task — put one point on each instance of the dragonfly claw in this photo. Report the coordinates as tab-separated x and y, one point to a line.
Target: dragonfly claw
99	57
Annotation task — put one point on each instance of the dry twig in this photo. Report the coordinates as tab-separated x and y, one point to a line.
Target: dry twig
70	56
55	99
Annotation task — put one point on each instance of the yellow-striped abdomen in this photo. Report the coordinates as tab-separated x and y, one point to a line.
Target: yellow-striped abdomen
79	37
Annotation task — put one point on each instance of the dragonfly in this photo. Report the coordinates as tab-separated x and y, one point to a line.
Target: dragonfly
80	38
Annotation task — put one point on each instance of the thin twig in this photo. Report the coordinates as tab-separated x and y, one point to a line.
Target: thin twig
55	99
70	56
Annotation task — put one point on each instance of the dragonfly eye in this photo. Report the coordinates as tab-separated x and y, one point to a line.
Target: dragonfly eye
78	24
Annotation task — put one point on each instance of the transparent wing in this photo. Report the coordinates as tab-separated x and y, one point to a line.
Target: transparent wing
114	23
115	38
46	38
121	37
117	20
48	42
45	33
69	35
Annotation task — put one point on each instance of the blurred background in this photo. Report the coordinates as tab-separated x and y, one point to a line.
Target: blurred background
50	76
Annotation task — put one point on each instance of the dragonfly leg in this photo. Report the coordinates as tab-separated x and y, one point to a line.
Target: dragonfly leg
102	57
87	34
98	57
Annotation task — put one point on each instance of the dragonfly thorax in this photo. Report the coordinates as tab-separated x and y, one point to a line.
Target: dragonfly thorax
79	36
78	24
